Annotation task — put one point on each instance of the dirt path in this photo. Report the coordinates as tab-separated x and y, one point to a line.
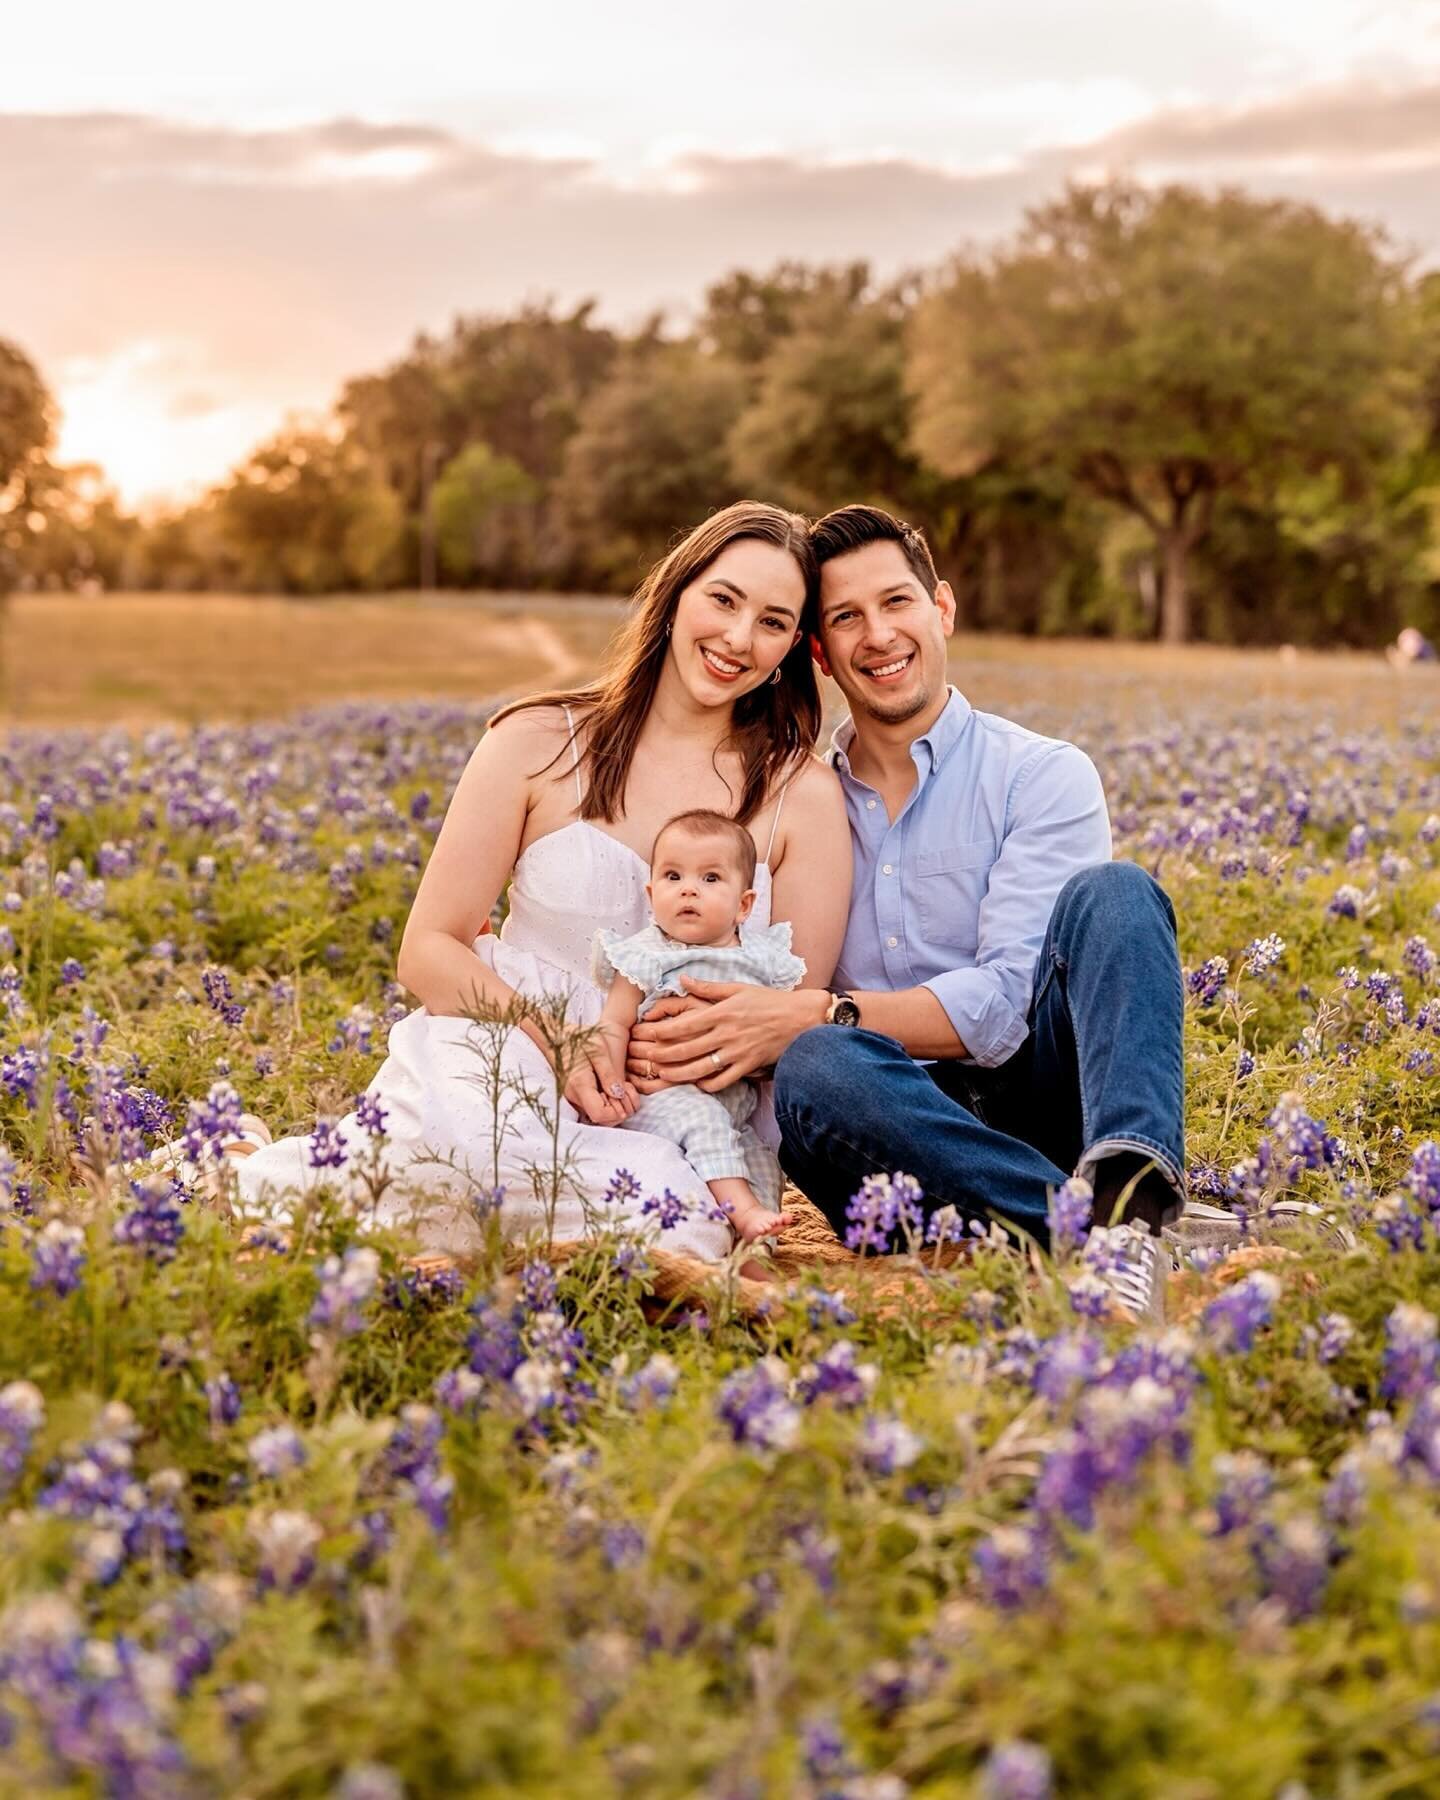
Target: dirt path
546	644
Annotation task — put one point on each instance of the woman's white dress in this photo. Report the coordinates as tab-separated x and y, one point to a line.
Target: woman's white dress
566	886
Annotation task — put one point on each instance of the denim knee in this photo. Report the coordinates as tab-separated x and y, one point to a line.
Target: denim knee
820	1068
1112	887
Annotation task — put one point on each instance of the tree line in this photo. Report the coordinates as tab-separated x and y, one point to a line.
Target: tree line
1152	412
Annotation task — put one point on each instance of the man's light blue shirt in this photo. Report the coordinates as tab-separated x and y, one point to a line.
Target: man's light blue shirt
957	893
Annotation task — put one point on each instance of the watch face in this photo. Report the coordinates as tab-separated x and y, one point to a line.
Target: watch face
847	1012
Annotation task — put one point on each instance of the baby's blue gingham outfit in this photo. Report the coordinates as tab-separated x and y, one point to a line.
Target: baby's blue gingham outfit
712	1130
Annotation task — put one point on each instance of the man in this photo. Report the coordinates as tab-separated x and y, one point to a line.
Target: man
1007	1008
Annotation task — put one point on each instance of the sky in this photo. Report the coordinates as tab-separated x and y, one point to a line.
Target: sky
210	217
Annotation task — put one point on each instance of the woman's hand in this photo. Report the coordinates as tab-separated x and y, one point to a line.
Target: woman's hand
596	1088
726	1031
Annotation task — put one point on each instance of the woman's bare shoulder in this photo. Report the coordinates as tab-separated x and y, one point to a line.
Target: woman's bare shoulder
816	786
537	725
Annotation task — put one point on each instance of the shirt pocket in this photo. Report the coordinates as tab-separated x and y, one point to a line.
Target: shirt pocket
950	883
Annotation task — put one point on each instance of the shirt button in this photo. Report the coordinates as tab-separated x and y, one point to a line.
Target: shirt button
870	806
894	942
887	870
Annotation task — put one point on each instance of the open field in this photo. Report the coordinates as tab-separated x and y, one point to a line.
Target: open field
143	658
280	1525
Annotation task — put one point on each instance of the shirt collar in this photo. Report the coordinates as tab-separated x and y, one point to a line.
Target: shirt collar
937	742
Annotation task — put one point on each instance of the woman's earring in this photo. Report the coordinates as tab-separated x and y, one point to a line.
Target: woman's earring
669	623
775	679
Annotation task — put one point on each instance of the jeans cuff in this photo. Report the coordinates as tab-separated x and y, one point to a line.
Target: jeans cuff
1163	1160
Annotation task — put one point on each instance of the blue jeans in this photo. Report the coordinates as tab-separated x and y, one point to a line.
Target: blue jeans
1101	1074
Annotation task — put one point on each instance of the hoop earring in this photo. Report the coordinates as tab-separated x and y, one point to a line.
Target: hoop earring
775	679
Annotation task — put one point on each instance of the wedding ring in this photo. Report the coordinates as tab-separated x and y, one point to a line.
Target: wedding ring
715	1058
651	1072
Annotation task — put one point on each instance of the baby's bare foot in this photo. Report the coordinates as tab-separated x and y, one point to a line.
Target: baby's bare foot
756	1222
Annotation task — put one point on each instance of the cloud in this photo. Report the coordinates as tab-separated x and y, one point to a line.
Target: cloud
1346	127
184	286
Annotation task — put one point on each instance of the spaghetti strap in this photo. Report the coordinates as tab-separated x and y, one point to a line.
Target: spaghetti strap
779	808
579	791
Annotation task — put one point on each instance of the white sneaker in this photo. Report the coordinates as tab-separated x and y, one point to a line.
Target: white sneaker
1201	1225
1137	1286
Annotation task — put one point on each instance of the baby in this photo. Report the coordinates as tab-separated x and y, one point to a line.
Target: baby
702	870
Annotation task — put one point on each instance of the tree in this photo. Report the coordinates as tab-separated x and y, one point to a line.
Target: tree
830	417
307	514
477	496
1162	348
26	427
648	457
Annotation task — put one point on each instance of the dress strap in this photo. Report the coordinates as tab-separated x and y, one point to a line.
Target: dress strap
774	823
579	791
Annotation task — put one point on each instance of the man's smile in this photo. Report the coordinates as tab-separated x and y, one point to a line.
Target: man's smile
890	670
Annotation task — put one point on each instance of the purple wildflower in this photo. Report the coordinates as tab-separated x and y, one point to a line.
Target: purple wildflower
1293	1559
668	1209
287	1541
888	1444
347	1285
1012	1565
1262	954
327	1146
653	1384
223	1398
1017	1771
838	1376
370	1115
220	997
755	1407
153	1223
1410	1352
1234	1317
276	1451
623	1190
1070	1210
1245	1484
883	1205
1206	982
22	1413
56	1258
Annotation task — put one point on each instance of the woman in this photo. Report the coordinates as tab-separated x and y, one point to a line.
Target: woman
709	700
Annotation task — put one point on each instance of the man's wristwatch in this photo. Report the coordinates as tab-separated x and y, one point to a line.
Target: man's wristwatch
842	1009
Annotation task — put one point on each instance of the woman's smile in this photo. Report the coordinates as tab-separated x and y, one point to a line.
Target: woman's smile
723	668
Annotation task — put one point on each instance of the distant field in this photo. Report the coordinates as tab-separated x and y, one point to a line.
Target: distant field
142	658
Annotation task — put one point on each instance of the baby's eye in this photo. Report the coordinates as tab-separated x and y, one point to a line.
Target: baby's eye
671	875
710	878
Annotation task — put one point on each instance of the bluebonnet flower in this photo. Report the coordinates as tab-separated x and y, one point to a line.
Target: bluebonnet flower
1346	902
495	1346
486	1203
1293	1558
1017	1771
946	1225
668	1209
1234	1318
1421	1441
212	1122
1244	1065
539	1285
1423	1177
287	1541
1063	1364
1012	1565
412	1458
1419	957
537	1384
1069	1212
220	997
837	1376
1302	1142
72	972
1262	954
653	1384
1245	1484
153	1222
370	1115
1410	1351
754	1404
623	1189
826	1308
425	1287
126	1517
888	1444
630	1261
1400	1223
347	1286
356	1031
1336	1334
22	1413
327	1146
1206	982
223	1399
276	1451
56	1258
882	1206
623	1545
459	1392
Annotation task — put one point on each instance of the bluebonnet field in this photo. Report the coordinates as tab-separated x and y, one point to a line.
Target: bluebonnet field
301	1516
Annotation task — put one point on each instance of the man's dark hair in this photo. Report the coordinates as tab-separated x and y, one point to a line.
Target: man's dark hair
701	822
852	527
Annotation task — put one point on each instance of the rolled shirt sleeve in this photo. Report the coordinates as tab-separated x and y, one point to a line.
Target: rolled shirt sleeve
1057	824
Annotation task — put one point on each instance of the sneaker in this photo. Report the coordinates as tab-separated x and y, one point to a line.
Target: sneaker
1203	1226
1137	1286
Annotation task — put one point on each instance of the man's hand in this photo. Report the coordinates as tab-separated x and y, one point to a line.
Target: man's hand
724	1031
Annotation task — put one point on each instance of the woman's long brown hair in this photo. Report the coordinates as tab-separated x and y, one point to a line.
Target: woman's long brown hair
772	727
